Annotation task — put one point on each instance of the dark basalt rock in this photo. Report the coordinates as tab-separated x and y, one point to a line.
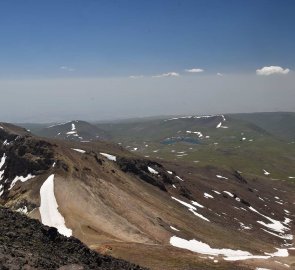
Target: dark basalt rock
239	177
245	202
24	155
27	244
139	167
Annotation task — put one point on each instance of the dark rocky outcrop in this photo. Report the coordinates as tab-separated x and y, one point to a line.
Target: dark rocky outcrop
239	177
139	167
27	244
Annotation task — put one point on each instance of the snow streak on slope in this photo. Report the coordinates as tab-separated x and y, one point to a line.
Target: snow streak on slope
20	178
109	157
79	150
200	247
151	170
192	208
229	254
2	162
276	226
50	215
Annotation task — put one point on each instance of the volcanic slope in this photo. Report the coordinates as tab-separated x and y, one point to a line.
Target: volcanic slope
160	215
27	244
76	130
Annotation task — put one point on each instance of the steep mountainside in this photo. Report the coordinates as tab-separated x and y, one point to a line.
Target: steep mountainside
27	244
163	215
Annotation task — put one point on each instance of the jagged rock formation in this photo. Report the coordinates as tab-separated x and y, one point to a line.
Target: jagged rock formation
27	244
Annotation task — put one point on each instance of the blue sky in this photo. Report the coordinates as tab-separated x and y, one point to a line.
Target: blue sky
122	38
93	60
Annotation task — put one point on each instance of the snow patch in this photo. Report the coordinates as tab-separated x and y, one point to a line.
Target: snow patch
275	225
50	215
23	210
20	178
79	150
221	177
203	248
206	195
174	229
2	162
179	178
197	204
151	170
109	157
228	193
191	208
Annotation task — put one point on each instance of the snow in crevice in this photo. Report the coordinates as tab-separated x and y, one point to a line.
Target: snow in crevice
2	162
206	195
198	133
50	215
23	210
282	236
73	130
79	150
20	178
6	143
228	193
197	204
151	170
278	228
179	178
221	177
191	208
174	229
244	227
109	157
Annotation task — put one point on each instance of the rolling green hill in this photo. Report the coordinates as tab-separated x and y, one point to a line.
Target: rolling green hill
243	142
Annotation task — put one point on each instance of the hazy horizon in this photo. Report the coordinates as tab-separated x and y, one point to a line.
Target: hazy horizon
105	60
96	99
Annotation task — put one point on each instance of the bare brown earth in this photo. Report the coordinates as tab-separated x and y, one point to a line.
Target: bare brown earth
121	209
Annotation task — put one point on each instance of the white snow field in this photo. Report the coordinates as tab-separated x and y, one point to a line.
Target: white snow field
50	215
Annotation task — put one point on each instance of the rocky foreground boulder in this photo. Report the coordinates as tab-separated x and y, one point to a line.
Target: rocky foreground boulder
27	244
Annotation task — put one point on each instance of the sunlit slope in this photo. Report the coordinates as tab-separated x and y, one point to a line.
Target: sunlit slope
128	206
280	124
221	141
